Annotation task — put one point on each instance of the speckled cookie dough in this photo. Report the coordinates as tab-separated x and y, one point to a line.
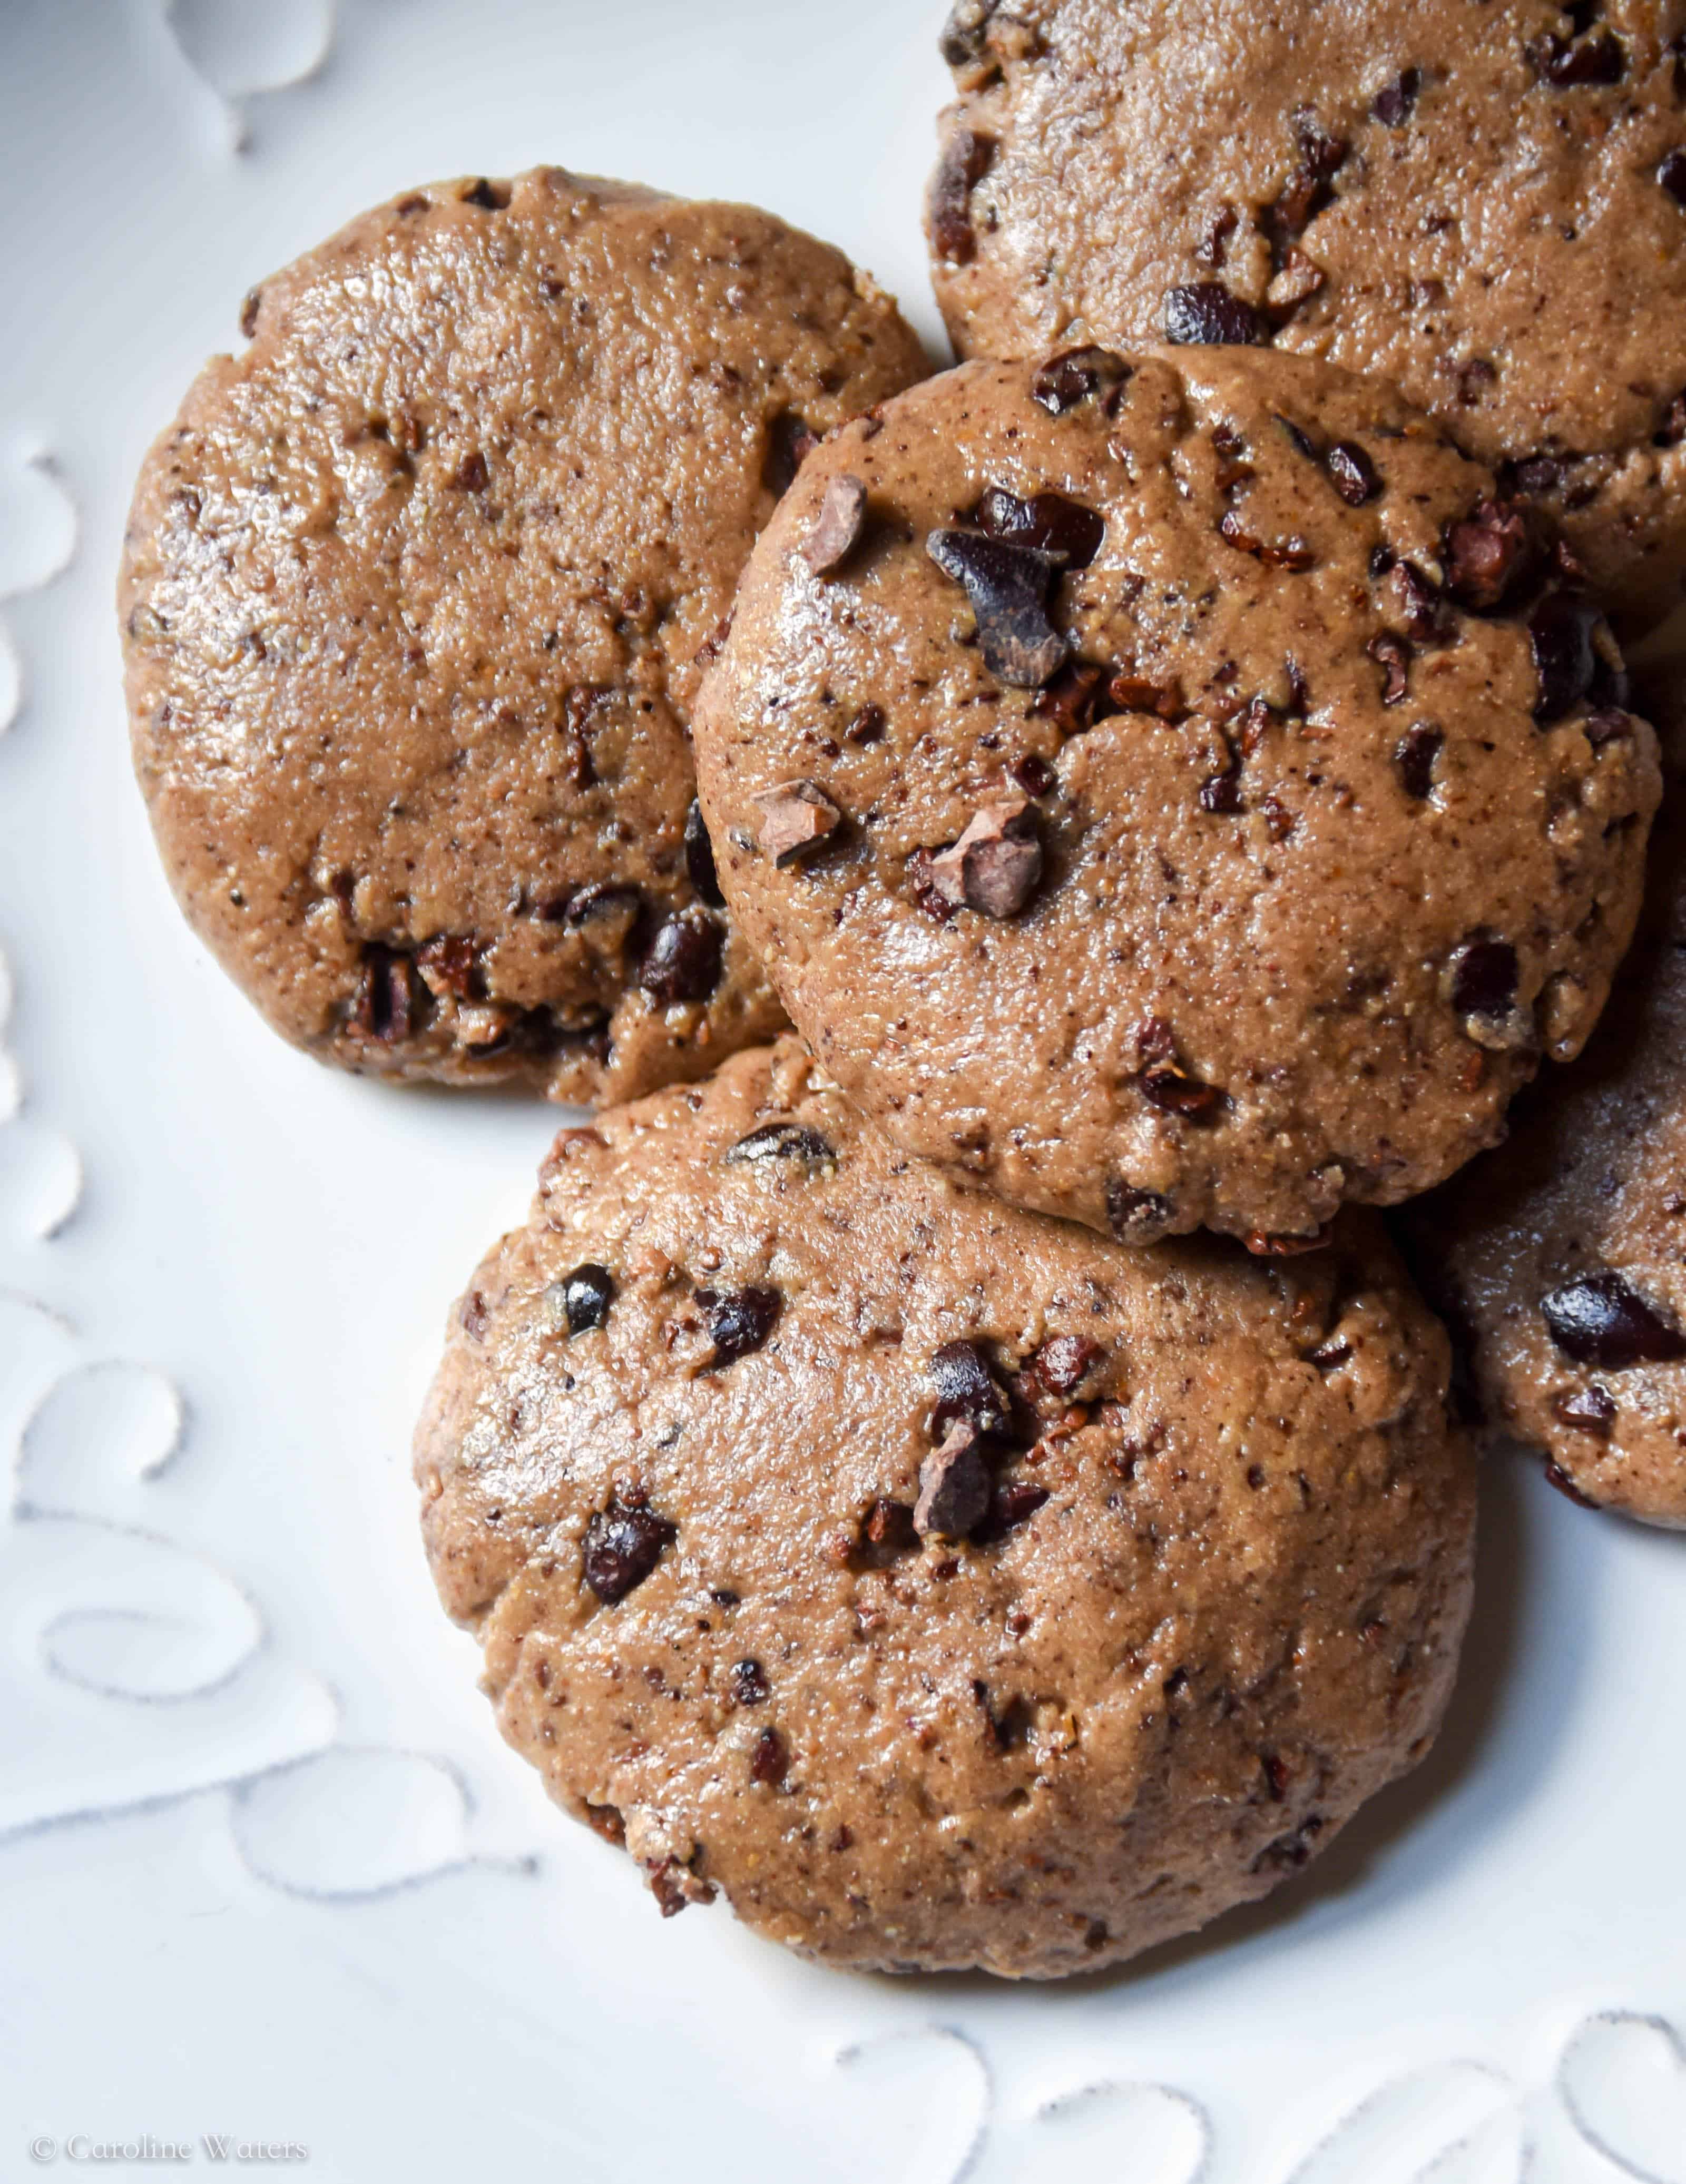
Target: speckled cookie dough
1485	204
413	597
945	1586
1562	1258
1190	799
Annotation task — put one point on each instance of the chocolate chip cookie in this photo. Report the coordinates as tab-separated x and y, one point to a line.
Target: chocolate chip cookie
1563	1257
1175	789
844	1542
1484	204
413	598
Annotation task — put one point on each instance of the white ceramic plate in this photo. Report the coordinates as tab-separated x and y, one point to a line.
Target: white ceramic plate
265	1870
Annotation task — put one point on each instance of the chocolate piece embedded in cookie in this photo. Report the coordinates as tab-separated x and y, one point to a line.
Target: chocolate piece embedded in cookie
956	1621
1484	205
1251	807
414	596
1562	1257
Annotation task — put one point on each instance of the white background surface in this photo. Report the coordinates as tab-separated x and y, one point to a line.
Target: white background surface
265	1868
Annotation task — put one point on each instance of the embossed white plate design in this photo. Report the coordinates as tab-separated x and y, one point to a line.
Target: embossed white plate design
266	1871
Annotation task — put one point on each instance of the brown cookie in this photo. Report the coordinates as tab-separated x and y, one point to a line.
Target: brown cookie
1191	801
1562	1259
847	1543
1486	205
413	598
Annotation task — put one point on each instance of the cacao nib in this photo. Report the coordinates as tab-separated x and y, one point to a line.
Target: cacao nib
1487	553
1393	655
1064	1362
748	1683
1393	105
794	1142
1590	1410
995	866
966	159
1137	1216
1076	375
387	1005
769	1760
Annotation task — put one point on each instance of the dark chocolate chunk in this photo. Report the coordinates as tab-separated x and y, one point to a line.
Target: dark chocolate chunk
1393	105
965	161
1672	430
791	440
794	1142
966	1389
1012	1503
1078	374
1137	1216
1590	1410
954	1485
1672	174
1393	655
995	866
1560	630
797	818
1300	439
1485	977
1352	473
699	858
488	196
741	1321
1413	755
1205	311
868	727
583	1297
1048	522
1008	587
623	1543
1598	1320
450	964
837	529
1608	725
683	961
